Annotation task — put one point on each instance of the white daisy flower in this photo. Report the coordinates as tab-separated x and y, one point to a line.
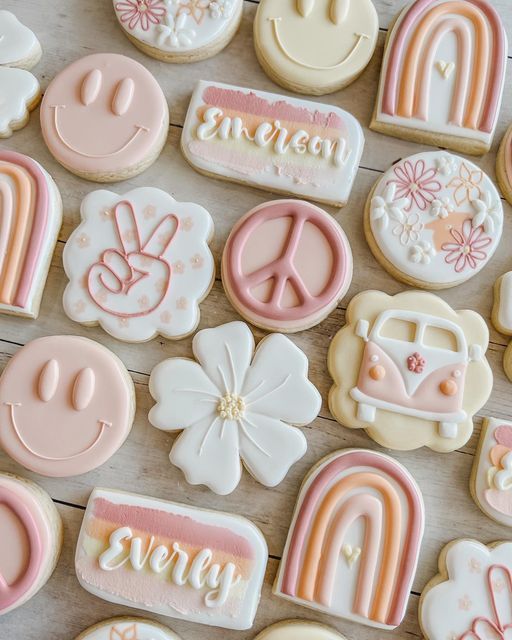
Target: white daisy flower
447	165
221	9
422	253
489	212
174	33
385	207
441	208
409	229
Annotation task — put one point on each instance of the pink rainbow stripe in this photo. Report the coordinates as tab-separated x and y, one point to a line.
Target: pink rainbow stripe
397	53
306	514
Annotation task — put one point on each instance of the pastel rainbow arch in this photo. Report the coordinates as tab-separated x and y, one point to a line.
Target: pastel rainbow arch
345	487
480	66
25	228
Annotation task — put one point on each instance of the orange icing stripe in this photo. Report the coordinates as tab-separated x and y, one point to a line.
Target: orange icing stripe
406	105
391	547
20	231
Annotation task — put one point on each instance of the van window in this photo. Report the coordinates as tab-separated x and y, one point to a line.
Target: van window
399	330
440	338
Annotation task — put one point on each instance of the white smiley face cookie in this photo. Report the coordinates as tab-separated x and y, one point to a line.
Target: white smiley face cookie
315	46
19	89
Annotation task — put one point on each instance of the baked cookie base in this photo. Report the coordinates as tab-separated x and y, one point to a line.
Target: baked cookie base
501	173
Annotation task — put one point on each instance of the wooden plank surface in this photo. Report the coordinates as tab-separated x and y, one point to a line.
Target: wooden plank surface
69	29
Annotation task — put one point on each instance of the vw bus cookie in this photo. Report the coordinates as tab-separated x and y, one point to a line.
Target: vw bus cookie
410	370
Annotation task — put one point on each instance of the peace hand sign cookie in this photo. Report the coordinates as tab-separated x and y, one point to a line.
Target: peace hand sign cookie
139	264
286	265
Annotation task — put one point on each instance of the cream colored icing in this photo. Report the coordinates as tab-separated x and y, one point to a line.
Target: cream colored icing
505	305
129	629
299	630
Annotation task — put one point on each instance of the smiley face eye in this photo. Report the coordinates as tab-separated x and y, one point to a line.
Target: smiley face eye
305	7
91	86
48	380
123	96
339	10
83	389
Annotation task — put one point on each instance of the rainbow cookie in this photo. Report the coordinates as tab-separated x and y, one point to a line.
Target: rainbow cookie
315	46
105	118
354	541
279	144
30	219
504	165
187	563
31	535
19	89
433	220
470	597
286	265
299	630
145	262
443	75
491	479
410	370
179	30
128	629
502	315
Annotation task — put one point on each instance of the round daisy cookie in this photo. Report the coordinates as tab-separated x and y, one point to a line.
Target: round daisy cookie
299	630
127	628
105	118
286	265
315	46
433	220
31	535
19	89
66	405
179	30
504	165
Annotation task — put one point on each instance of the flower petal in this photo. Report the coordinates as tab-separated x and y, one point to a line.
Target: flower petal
269	448
277	383
183	392
208	453
225	354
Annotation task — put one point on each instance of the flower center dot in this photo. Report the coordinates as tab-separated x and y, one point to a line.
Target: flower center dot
231	407
467	249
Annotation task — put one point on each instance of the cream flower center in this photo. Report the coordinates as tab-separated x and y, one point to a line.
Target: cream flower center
231	407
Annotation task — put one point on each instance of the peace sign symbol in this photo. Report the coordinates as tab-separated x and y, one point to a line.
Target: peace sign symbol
288	269
11	593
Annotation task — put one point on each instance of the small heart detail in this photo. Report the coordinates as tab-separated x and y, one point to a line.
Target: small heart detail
351	554
445	68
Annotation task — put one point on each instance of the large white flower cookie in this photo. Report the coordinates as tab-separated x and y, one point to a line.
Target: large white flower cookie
235	403
139	264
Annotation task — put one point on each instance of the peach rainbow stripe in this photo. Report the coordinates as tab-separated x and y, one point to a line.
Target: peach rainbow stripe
477	95
24	202
326	512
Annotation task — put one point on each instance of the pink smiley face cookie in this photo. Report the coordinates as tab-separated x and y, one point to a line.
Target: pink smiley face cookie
105	118
66	406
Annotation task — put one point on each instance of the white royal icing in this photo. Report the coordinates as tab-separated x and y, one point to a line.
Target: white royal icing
473	602
147	233
177	26
235	403
437	218
17	42
505	303
126	629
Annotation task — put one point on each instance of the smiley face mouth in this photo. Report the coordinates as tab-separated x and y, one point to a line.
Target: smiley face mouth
360	37
139	129
102	423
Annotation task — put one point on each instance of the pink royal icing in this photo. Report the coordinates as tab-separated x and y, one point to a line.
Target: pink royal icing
103	113
268	266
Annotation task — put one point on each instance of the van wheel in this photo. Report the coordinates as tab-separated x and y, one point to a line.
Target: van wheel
448	430
366	413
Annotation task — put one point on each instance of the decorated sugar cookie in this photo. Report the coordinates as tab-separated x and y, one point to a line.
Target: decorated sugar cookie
504	165
410	370
30	219
179	30
19	89
443	74
470	598
502	315
286	265
354	541
128	629
279	144
434	220
235	403
174	560
315	46
299	630
105	118
491	479
31	534
66	405
139	264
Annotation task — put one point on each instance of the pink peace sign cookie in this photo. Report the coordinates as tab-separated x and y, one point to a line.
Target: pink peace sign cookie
286	265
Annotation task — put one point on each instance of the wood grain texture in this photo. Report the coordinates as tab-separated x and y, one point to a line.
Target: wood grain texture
69	29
